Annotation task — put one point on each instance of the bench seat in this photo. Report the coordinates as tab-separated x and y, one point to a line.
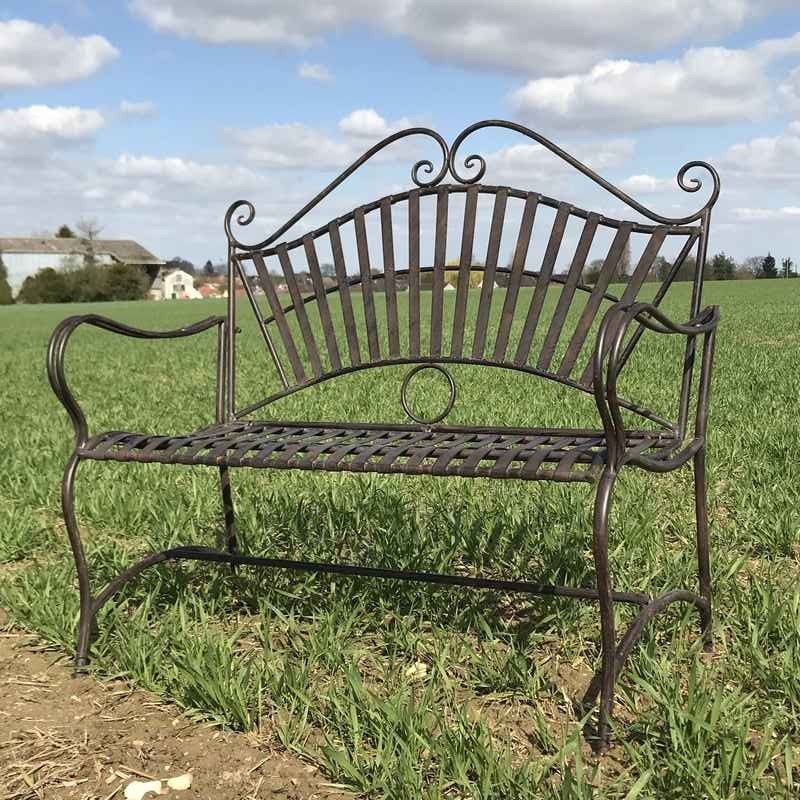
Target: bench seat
527	454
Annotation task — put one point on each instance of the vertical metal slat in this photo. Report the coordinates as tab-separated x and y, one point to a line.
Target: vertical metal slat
568	291
389	281
299	310
515	279
464	265
344	295
280	317
322	302
366	285
542	284
492	252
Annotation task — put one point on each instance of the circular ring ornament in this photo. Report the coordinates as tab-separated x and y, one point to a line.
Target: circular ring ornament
404	390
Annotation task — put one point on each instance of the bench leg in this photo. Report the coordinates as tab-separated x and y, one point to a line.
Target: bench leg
602	506
703	561
86	604
228	510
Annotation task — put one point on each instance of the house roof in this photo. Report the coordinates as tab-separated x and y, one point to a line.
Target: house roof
125	250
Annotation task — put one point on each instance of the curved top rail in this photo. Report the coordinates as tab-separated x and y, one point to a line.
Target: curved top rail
694	185
470	162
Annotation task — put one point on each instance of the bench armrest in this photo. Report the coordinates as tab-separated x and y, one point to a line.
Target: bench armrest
608	345
65	329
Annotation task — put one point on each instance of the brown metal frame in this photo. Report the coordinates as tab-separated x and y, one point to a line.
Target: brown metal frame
427	447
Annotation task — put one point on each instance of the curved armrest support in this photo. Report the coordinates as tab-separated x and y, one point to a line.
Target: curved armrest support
610	336
58	345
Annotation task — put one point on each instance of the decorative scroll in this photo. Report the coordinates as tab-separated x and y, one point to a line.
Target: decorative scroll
242	212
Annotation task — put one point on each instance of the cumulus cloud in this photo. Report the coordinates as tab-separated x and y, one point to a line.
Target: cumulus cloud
766	158
141	108
53	123
291	145
524	37
367	123
181	171
707	85
647	184
35	55
277	23
789	90
766	214
298	146
315	72
534	162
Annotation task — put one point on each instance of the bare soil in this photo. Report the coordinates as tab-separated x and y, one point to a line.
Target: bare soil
63	737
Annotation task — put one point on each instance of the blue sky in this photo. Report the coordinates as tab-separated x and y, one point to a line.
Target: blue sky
153	115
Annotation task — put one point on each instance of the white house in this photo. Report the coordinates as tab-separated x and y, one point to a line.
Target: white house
174	285
25	255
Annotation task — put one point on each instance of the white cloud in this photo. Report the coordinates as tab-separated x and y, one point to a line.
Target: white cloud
647	184
367	123
142	108
297	146
535	162
766	158
292	145
315	72
766	214
34	55
530	36
789	90
180	171
135	199
277	23
707	85
65	123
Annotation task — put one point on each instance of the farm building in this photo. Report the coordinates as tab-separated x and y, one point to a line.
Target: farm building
23	256
174	284
209	290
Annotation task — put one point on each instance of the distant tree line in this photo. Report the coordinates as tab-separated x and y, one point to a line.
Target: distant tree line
719	267
85	283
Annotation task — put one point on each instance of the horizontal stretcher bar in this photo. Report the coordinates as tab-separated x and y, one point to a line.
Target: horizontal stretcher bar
193	553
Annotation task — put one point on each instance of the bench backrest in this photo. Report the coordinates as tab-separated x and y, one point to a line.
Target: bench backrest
398	290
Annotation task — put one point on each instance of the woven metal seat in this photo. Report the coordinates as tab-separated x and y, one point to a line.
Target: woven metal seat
527	454
370	290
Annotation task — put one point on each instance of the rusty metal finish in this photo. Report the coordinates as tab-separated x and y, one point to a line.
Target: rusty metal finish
395	311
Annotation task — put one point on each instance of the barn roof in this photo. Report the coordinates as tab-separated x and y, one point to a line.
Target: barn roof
125	250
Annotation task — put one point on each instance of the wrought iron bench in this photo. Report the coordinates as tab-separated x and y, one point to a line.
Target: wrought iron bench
306	352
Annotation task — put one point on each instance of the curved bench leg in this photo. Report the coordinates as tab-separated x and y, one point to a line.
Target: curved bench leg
86	604
228	510
703	560
602	506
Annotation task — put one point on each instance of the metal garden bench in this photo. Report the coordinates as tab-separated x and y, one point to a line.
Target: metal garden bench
371	315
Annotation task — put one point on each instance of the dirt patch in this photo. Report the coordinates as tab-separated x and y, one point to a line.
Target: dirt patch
78	739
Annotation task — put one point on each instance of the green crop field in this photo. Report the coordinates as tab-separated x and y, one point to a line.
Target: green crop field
404	690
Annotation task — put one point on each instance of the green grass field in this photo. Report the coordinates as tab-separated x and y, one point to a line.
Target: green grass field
408	691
